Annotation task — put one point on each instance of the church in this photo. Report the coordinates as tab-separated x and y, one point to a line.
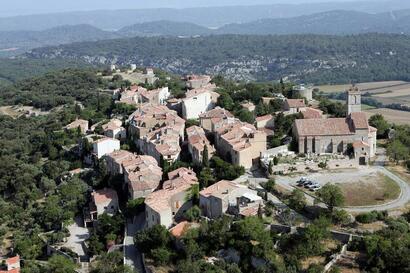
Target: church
352	134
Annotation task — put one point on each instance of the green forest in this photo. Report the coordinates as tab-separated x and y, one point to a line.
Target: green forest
310	58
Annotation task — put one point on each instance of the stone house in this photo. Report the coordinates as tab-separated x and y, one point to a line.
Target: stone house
197	141
78	124
157	131
10	265
102	201
249	106
227	197
197	81
267	121
114	129
142	175
198	101
241	143
168	205
294	106
211	119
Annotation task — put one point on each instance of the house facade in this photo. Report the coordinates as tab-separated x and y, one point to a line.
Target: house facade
241	143
102	201
167	205
157	131
80	124
197	81
294	106
199	101
114	129
104	146
10	265
212	119
227	197
197	141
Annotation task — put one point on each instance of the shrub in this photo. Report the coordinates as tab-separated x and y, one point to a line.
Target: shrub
161	256
371	217
193	214
340	217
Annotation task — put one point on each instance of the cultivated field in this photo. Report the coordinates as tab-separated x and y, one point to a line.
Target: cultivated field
367	86
393	116
384	92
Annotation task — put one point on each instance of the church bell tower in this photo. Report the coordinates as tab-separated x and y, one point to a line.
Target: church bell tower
354	100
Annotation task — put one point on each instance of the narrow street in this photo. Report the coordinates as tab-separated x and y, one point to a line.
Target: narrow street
132	256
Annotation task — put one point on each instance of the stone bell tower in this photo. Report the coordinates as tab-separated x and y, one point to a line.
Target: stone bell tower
354	100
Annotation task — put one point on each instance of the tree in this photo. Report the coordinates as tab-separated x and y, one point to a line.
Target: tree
381	124
154	237
270	185
193	214
297	200
193	194
408	165
270	167
110	263
314	234
397	150
161	256
331	195
245	116
205	159
225	101
206	178
60	264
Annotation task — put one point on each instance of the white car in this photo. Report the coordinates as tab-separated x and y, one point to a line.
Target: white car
315	187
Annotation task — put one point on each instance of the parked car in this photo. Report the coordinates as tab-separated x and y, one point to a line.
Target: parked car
301	181
308	184
315	188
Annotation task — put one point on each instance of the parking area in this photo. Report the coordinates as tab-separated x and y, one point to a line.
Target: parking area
370	186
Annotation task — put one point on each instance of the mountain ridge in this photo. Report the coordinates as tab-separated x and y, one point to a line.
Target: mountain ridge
209	16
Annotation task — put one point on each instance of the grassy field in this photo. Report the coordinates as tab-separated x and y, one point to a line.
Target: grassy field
363	86
370	191
391	92
393	116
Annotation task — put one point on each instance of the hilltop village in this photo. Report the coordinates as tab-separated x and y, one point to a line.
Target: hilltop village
199	175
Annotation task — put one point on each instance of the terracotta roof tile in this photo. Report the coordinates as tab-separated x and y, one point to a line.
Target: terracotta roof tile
295	103
323	127
103	196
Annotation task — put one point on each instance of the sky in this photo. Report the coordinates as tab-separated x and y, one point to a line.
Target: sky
24	7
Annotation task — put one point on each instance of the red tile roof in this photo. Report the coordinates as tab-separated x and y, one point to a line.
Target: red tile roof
104	195
359	120
311	113
295	103
323	127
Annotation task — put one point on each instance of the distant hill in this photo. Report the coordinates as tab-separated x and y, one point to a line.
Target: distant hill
209	16
337	22
333	22
14	42
164	28
311	58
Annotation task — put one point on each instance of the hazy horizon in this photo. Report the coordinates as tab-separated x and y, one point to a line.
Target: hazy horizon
27	7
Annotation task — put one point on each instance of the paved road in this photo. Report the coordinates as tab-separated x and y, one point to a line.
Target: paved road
132	256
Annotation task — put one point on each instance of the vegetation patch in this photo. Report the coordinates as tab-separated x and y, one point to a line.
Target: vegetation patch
370	191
